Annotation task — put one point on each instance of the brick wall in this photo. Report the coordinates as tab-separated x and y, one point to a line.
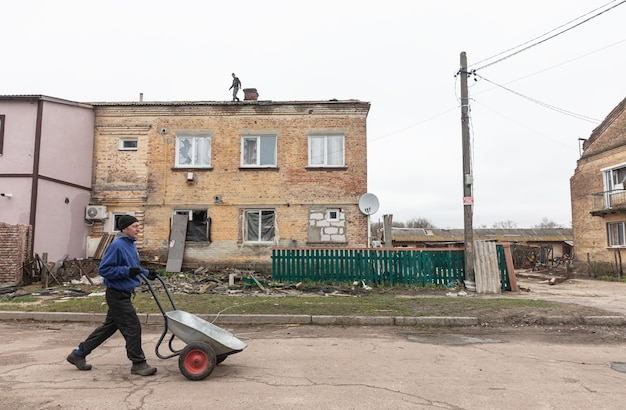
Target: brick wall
16	245
146	181
606	147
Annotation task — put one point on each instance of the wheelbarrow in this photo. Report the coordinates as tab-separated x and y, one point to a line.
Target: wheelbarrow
207	344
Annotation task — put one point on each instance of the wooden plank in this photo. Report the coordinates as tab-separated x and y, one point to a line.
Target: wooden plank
506	246
177	243
104	243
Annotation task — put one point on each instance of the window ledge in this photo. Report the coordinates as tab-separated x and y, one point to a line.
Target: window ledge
316	168
327	243
189	169
258	168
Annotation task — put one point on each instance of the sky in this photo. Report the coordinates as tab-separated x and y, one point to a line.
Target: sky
558	78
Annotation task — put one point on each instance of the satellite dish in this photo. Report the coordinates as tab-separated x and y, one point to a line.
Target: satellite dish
368	204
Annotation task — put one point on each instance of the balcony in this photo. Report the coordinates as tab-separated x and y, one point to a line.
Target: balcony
609	202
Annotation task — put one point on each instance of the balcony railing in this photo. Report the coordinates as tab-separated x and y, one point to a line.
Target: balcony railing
609	201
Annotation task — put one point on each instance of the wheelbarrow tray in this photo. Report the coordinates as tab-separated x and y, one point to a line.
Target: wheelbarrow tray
190	328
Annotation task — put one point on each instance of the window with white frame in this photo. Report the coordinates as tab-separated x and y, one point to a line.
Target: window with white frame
614	177
193	151
616	234
258	151
198	224
259	225
326	150
332	214
128	144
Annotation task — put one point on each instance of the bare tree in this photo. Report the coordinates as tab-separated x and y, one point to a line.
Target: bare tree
547	224
419	223
504	225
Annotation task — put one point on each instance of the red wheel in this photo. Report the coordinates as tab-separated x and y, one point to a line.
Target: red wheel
197	361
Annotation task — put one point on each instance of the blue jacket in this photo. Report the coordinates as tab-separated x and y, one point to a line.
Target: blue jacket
119	257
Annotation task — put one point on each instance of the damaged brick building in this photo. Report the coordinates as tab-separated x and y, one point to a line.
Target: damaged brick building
247	176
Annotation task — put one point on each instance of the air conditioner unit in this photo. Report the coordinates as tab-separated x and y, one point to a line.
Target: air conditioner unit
96	212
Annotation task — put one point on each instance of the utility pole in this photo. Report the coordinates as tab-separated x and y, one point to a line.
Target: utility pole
468	180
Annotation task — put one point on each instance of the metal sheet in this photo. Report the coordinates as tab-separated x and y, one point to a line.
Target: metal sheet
177	243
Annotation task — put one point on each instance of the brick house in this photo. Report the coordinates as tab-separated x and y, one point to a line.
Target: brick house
248	176
46	147
598	196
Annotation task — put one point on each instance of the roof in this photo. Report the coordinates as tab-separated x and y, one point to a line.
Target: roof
39	97
244	102
409	235
613	115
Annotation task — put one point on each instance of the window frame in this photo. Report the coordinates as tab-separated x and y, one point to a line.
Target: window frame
329	213
611	175
259	212
259	151
121	144
190	218
114	218
325	156
616	231
194	148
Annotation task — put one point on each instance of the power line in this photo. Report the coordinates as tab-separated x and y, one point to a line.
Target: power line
531	43
552	107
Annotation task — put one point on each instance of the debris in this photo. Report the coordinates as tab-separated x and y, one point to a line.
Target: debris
366	287
259	284
8	292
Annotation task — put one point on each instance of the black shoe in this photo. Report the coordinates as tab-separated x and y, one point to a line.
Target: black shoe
78	361
142	369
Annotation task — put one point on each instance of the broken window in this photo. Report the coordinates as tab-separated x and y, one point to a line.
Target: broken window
193	151
260	225
326	150
198	225
615	178
616	233
258	151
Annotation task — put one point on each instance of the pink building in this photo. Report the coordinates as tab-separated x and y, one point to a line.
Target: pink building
46	156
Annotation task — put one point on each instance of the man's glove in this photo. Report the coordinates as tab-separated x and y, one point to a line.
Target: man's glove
132	272
152	274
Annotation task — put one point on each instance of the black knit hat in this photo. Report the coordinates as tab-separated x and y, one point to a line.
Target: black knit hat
125	221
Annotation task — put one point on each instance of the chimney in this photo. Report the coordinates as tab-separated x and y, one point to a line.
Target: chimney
250	94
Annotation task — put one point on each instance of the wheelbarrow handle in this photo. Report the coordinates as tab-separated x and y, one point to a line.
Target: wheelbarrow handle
154	295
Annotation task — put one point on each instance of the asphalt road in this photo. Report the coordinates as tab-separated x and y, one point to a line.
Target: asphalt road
328	367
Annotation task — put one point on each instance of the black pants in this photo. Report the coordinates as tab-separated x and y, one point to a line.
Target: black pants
123	317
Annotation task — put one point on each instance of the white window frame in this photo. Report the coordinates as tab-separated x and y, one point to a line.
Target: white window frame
192	150
187	212
125	144
114	217
616	234
330	212
611	176
259	240
327	157
262	142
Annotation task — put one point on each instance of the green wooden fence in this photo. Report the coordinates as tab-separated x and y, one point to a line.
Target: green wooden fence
391	267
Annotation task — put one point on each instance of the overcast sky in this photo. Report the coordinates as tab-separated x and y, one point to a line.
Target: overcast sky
399	55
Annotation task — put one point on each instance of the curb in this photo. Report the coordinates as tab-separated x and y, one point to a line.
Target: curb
433	321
